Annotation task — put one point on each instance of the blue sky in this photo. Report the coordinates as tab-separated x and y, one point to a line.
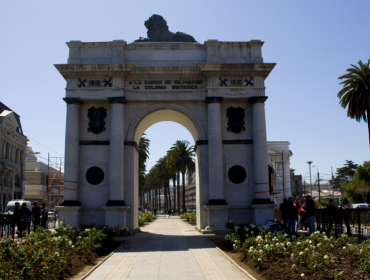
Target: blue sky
312	42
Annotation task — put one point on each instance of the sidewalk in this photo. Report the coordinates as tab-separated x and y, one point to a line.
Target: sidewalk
168	249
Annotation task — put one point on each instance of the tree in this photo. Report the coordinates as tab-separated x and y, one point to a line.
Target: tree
143	157
182	156
344	174
357	190
355	93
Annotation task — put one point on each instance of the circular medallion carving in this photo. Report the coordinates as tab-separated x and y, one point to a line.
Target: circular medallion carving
237	174
95	175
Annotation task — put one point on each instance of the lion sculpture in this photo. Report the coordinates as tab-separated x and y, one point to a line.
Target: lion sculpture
158	32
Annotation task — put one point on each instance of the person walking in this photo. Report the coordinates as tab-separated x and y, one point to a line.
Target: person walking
169	213
36	211
155	211
44	216
310	212
347	206
17	217
25	214
330	211
283	212
291	214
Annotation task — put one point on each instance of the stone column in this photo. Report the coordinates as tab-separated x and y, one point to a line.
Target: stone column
215	158
116	155
13	185
261	181
72	152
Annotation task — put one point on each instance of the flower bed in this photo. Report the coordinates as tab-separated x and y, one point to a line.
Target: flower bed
288	257
146	217
48	254
190	217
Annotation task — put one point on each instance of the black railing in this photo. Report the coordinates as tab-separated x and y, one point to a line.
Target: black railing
7	226
355	222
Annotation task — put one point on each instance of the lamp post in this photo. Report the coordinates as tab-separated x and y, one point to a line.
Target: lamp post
318	183
309	163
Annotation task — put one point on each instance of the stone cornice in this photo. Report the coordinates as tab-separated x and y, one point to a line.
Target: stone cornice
70	100
257	99
85	70
234	69
117	100
213	99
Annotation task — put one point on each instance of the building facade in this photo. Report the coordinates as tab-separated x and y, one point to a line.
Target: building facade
13	145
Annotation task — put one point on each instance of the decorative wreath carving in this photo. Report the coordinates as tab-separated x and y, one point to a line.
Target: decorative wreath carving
236	122
97	116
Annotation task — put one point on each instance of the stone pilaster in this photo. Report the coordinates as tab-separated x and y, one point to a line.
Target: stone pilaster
71	163
215	155
261	181
116	154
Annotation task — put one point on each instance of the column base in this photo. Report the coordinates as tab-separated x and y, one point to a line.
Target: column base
71	203
116	216
115	203
71	215
217	202
262	213
217	216
262	201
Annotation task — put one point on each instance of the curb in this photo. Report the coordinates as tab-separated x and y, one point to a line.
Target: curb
238	266
101	262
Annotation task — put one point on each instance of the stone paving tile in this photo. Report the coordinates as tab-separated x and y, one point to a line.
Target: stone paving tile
168	249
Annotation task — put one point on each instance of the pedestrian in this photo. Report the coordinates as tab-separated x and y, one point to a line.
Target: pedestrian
17	217
283	212
25	214
155	211
169	213
310	212
300	214
291	214
36	211
330	211
297	206
44	216
346	206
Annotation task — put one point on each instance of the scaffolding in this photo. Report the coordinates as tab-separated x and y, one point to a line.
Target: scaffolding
277	176
55	179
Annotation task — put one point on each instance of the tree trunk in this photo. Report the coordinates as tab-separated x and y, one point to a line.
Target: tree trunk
165	197
368	123
178	191
174	193
169	195
183	192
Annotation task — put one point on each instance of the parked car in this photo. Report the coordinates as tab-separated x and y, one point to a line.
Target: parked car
9	209
360	205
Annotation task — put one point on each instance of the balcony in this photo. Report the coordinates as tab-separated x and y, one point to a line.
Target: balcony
4	162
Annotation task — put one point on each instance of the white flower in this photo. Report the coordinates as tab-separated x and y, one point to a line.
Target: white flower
57	253
310	241
326	257
253	226
261	251
361	251
234	245
246	235
70	243
331	245
294	266
247	229
87	229
79	237
288	244
259	259
344	247
302	275
73	246
230	221
251	248
340	273
318	245
298	243
252	232
306	249
301	253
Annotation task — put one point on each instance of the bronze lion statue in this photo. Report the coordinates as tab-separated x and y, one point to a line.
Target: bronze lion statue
158	32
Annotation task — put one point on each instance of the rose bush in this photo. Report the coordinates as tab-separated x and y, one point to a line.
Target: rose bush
190	217
146	217
318	256
45	254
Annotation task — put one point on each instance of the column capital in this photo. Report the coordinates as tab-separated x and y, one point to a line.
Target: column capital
70	100
257	99
213	99
117	100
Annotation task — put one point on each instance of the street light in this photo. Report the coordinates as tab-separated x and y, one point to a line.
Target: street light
309	163
318	182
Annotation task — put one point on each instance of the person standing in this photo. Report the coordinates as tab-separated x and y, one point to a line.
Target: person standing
44	216
155	211
310	212
283	212
36	211
346	206
17	216
297	206
291	214
330	211
169	213
25	214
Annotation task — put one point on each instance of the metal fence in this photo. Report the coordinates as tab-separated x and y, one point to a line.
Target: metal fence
354	222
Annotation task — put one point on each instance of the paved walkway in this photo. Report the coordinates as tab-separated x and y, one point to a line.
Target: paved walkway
168	249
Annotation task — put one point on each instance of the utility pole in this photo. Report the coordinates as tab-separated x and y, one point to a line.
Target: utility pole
47	185
309	163
332	180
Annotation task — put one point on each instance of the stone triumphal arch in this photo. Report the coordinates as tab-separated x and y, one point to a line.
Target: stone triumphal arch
115	91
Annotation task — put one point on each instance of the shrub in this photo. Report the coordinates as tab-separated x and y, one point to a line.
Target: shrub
146	217
190	217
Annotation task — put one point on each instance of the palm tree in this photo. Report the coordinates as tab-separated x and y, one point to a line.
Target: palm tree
182	156
356	92
143	156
